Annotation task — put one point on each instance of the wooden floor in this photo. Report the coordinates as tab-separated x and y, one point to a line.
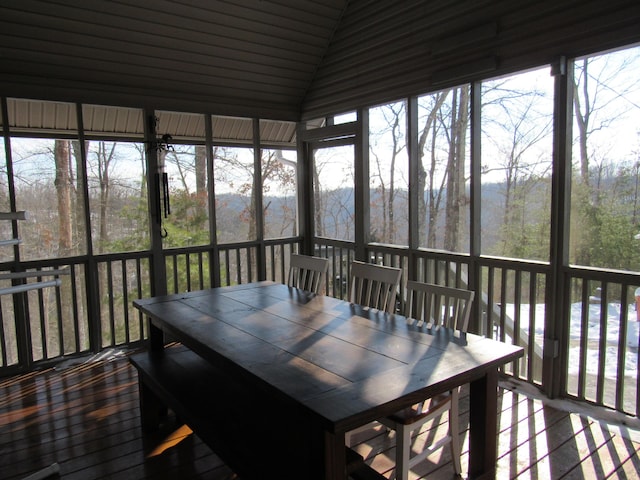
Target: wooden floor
85	418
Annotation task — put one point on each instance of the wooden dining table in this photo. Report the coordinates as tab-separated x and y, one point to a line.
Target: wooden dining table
277	375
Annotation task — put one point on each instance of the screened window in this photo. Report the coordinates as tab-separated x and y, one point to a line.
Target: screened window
444	170
333	191
188	221
6	232
47	179
606	164
183	158
46	185
235	194
517	121
388	172
116	177
279	168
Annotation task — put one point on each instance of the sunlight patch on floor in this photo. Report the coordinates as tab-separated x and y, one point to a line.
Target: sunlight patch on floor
171	441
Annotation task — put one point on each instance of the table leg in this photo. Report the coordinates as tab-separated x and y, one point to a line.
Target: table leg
156	338
335	457
151	407
483	418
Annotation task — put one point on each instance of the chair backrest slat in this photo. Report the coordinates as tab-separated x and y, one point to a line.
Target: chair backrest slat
374	286
438	305
307	273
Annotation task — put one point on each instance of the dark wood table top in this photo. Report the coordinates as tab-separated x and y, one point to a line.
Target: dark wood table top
345	364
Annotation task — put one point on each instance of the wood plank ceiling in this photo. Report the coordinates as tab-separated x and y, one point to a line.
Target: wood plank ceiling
237	57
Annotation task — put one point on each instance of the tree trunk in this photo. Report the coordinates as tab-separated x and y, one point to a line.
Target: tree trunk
317	202
582	121
78	200
103	165
451	215
423	203
63	191
461	139
201	170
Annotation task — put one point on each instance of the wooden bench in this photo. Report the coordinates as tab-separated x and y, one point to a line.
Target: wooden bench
231	422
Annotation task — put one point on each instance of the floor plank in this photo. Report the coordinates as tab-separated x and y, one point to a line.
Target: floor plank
86	419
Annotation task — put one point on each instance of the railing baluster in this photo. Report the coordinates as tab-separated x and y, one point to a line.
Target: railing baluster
227	267
602	344
3	338
43	321
517	302
125	300
531	358
141	322
187	267
622	350
176	279
58	303
74	307
490	302
238	267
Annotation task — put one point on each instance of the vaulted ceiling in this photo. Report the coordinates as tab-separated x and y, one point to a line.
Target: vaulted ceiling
286	59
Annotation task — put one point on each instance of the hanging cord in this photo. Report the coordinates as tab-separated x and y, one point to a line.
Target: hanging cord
162	202
161	187
165	184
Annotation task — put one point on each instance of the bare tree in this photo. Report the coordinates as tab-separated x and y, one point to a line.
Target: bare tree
385	161
63	190
457	139
429	203
443	176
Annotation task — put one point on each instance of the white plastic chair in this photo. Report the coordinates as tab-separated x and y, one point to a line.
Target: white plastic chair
374	286
439	307
308	273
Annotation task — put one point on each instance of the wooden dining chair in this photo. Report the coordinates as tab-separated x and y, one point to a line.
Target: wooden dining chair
438	307
308	273
374	286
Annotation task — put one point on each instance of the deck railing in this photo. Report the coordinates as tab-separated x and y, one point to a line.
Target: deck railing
91	312
603	341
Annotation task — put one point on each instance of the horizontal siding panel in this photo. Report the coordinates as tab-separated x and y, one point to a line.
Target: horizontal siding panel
188	27
207	44
38	38
391	29
261	54
591	27
408	53
155	80
152	72
367	66
262	16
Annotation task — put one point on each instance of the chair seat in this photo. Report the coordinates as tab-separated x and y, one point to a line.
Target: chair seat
420	411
